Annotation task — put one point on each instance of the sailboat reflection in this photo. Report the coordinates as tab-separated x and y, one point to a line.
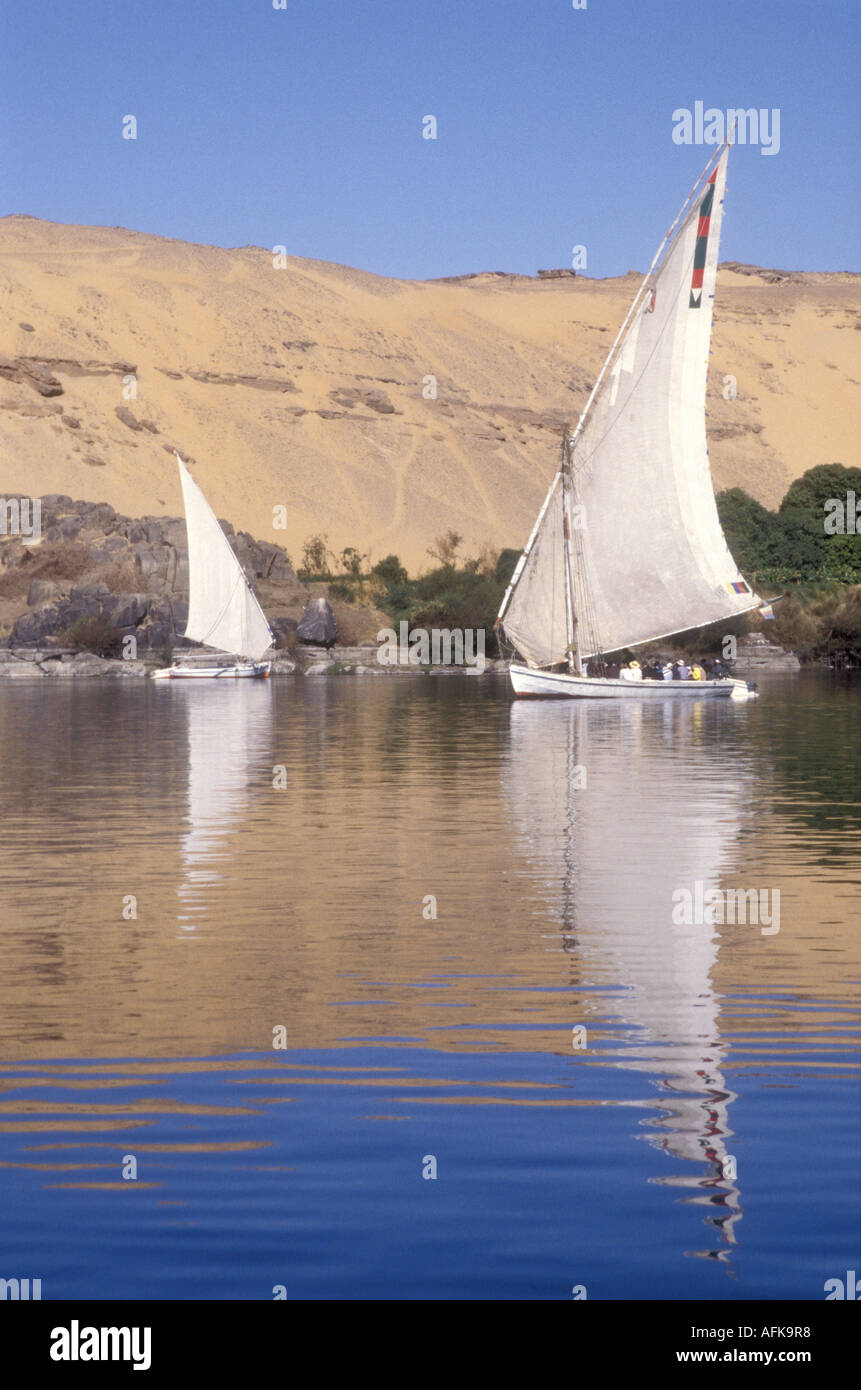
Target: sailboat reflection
619	806
228	731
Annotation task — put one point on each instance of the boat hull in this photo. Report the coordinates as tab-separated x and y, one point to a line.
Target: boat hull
258	670
529	683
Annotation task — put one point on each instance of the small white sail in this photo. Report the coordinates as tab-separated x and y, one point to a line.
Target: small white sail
222	610
649	556
536	620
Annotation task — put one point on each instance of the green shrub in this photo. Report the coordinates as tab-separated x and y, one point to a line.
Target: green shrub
94	635
390	570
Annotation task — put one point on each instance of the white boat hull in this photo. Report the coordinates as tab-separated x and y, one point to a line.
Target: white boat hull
561	685
258	670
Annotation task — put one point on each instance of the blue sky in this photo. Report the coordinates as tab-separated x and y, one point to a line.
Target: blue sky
303	127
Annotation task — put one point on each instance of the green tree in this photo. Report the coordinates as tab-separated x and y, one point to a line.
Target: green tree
813	489
752	531
390	570
504	567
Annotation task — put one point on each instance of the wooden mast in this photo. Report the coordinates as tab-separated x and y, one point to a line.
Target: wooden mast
573	648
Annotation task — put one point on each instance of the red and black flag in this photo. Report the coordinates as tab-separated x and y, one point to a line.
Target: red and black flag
696	298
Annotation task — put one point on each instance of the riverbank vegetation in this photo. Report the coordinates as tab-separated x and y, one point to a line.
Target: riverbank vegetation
807	553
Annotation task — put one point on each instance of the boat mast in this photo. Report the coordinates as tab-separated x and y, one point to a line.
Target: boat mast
573	647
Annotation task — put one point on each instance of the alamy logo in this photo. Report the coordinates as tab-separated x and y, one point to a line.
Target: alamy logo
439	647
20	1290
843	518
76	1343
16	518
711	127
836	1288
717	907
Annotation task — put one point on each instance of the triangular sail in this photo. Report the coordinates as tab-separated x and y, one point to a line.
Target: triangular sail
650	558
536	618
222	610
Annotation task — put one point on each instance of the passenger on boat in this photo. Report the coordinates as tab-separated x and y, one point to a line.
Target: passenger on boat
697	672
667	671
631	672
683	671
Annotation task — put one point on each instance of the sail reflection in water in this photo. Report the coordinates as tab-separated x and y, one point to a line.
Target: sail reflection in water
612	853
229	730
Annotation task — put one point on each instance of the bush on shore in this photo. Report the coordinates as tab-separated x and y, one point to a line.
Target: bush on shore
94	635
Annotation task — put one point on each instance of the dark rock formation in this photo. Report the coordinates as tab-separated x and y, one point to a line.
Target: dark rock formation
32	373
123	413
318	627
283	629
351	396
41	591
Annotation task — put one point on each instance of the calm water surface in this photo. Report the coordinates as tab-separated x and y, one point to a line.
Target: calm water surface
286	946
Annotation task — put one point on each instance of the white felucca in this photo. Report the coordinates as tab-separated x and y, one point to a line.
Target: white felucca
222	610
628	547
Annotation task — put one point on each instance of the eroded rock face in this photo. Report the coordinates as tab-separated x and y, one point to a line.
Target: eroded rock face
283	629
41	591
318	627
27	371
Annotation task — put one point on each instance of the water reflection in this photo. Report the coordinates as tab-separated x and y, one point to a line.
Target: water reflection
229	734
616	828
408	1035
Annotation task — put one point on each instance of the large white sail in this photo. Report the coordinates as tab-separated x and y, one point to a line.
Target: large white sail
649	556
222	610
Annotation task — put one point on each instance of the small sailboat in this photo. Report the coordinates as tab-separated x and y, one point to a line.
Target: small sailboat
223	613
628	547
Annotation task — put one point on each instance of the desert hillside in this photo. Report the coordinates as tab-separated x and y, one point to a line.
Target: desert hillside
304	386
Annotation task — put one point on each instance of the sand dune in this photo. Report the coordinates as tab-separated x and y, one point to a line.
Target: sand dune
302	386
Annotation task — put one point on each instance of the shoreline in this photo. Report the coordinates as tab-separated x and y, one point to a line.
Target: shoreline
22	664
62	663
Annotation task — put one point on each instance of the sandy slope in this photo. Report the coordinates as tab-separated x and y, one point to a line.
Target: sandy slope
329	418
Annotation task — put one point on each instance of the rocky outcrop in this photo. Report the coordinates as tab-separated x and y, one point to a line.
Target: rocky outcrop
38	664
318	627
756	653
128	417
351	396
30	372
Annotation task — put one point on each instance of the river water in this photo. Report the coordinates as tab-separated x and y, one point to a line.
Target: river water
397	988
